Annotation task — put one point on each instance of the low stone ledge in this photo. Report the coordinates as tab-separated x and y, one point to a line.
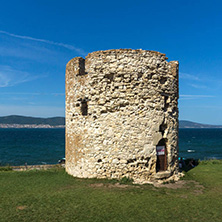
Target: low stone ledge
37	167
162	175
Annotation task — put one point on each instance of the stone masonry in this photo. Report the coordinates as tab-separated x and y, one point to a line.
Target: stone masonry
120	106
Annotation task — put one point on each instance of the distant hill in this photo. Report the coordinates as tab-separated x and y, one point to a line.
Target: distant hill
24	120
189	124
60	121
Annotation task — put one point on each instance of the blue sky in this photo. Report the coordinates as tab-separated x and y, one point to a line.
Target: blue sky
38	38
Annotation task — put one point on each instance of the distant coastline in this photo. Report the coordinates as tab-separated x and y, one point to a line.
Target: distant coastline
184	124
15	121
30	126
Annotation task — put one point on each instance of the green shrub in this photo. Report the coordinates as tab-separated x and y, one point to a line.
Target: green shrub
5	168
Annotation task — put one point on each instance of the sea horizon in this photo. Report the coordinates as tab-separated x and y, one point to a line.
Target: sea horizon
36	146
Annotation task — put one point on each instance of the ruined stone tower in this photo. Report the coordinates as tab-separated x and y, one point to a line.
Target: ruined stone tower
122	115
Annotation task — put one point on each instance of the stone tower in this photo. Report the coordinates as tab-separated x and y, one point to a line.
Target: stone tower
122	115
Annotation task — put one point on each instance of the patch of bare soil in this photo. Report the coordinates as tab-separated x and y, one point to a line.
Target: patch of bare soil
198	188
177	185
21	207
197	192
184	196
116	185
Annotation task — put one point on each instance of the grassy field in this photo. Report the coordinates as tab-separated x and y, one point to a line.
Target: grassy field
53	195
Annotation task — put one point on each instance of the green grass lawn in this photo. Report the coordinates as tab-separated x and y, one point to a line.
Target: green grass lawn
52	195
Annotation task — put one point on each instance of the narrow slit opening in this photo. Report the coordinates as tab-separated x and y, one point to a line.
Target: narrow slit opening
84	108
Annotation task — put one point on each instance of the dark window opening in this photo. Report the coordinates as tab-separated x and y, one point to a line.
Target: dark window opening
81	70
84	108
162	128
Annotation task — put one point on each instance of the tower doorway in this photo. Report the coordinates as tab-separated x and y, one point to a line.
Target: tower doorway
161	152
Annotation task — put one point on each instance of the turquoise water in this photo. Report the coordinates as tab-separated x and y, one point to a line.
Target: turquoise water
41	146
31	146
200	143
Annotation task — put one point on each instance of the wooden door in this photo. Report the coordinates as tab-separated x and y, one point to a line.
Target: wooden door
161	164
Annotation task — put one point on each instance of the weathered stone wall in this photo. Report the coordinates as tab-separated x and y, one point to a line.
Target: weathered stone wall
119	105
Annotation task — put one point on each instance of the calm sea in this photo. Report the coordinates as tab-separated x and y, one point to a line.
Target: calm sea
41	146
200	143
31	146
